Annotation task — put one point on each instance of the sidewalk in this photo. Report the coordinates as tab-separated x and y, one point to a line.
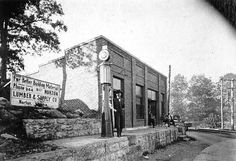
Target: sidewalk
222	151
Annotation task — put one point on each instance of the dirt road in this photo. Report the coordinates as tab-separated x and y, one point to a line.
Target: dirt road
188	150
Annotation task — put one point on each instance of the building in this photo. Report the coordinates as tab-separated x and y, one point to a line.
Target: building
143	87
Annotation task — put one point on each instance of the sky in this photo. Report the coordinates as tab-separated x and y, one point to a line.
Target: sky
189	35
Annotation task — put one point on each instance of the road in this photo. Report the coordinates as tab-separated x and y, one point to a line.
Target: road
188	150
211	138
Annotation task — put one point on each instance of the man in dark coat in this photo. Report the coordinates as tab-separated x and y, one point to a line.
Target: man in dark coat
151	118
118	106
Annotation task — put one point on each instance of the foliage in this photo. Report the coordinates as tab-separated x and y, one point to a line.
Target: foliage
28	27
212	121
178	102
199	99
79	56
202	97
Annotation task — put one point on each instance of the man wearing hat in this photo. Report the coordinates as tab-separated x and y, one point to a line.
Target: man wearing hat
118	106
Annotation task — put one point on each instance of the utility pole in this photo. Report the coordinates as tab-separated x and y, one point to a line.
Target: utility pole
221	105
232	104
169	89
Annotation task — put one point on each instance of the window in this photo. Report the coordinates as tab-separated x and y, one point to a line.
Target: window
152	95
163	104
139	103
116	84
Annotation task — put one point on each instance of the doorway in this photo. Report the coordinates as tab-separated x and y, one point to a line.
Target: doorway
163	112
152	104
118	84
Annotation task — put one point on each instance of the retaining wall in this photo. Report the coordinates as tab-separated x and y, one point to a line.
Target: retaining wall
150	141
127	148
112	149
46	129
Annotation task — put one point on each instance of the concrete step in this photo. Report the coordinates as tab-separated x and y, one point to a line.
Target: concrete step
182	137
186	139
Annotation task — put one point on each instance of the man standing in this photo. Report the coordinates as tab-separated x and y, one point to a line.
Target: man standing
151	118
118	106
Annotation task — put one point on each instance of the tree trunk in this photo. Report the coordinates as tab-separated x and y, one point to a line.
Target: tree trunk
4	24
3	29
1	47
63	80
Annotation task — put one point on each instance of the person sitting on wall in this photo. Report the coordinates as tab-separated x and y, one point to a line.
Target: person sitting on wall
151	118
118	106
167	119
172	122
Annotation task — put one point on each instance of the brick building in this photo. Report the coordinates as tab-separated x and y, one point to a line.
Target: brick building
143	87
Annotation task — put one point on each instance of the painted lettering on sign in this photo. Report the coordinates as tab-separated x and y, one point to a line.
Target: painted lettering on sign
26	91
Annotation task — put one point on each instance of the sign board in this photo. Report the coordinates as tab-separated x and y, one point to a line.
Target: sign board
26	91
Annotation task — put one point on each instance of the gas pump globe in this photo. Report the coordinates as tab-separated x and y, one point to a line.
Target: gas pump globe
105	68
104	54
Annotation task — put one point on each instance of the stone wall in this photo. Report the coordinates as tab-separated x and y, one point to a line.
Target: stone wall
45	129
181	130
127	148
150	142
112	149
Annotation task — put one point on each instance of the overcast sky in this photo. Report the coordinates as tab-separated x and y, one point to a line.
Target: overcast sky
189	35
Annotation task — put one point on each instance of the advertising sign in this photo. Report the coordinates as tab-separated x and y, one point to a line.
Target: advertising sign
26	91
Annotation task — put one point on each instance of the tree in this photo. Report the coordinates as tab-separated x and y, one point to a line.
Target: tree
203	98
179	88
28	27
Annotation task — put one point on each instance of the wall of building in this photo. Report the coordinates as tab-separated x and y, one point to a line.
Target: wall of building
49	72
81	82
85	84
134	72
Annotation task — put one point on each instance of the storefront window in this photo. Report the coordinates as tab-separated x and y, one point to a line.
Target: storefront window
117	84
152	95
163	104
139	103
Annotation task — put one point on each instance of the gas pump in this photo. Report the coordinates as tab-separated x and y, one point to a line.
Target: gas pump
105	80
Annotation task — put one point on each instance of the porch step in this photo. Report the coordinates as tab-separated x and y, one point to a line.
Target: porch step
186	139
183	137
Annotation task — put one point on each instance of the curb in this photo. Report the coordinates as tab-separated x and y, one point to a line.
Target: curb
214	131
